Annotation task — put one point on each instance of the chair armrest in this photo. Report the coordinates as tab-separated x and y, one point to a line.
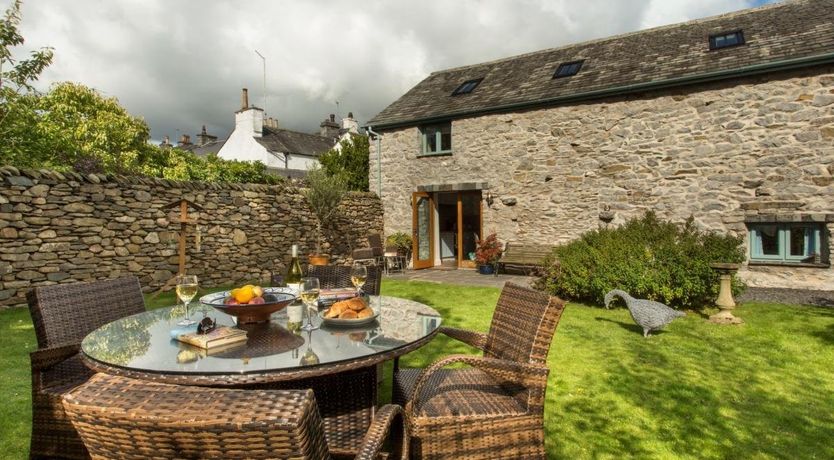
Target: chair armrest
379	430
532	376
475	339
45	358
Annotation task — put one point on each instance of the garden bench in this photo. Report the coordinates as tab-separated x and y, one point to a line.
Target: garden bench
526	256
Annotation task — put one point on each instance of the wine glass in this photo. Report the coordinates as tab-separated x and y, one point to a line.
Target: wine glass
310	297
358	276
309	358
186	290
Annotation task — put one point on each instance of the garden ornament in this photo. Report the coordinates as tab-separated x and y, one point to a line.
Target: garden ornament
648	314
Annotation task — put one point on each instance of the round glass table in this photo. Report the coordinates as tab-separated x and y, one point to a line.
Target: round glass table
142	346
341	365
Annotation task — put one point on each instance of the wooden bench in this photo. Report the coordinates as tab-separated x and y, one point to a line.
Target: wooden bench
527	257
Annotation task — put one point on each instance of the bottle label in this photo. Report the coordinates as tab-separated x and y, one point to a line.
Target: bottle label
295	313
295	287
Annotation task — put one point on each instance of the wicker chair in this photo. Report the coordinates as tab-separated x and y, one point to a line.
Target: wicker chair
338	276
63	314
124	418
373	252
495	408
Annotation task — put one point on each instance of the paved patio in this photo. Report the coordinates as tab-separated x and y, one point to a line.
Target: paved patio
466	277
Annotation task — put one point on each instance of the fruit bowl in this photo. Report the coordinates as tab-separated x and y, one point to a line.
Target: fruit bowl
274	299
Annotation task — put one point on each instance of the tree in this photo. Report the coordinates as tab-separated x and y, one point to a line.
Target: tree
18	98
81	128
349	162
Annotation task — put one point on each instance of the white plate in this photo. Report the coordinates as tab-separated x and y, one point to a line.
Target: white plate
347	322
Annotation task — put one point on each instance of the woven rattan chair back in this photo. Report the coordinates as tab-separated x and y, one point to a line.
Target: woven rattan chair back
375	242
64	314
338	276
125	418
523	325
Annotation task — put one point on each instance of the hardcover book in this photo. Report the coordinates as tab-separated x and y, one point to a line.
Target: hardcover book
219	337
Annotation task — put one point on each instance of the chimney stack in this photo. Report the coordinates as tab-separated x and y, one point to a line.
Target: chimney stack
329	127
204	137
349	124
244	99
185	139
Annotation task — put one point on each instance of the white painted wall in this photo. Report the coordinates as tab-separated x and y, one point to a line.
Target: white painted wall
301	161
242	144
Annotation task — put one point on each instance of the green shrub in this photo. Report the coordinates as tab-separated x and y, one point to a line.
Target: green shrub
648	258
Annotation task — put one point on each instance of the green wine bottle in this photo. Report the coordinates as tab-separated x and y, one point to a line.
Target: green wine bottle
294	274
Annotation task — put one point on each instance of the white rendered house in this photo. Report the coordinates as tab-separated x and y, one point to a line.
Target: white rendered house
285	152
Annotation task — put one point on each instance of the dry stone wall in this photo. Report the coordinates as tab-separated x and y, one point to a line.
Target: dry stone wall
726	153
64	227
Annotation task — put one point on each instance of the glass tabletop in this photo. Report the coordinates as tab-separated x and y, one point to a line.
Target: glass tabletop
144	342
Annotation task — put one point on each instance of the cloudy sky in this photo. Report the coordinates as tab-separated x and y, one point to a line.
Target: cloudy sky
181	63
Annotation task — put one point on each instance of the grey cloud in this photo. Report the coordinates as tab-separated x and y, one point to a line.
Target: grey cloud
181	64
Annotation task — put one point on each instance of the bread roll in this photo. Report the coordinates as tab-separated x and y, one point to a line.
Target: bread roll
348	314
356	304
365	313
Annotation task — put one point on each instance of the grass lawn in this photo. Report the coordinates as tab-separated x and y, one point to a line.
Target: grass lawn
761	390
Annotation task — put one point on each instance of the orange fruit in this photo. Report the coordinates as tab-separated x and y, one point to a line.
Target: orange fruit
244	294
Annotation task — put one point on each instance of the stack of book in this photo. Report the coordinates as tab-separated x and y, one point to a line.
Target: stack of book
220	337
329	296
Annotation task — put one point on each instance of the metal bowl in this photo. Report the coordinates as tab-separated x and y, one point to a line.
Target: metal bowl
276	300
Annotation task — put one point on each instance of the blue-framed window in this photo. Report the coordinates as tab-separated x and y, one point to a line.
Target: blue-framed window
436	139
726	40
788	242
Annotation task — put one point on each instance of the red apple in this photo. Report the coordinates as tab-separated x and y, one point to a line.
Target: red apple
257	300
231	301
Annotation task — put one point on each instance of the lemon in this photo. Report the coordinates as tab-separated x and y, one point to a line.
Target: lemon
245	294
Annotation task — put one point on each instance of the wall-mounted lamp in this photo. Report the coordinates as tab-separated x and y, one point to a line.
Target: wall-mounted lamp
489	199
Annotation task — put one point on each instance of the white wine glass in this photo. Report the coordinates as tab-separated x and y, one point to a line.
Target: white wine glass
358	276
310	296
186	290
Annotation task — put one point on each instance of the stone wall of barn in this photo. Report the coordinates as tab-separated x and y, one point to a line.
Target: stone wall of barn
754	149
64	227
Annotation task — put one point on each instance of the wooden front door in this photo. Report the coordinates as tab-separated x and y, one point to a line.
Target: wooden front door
422	210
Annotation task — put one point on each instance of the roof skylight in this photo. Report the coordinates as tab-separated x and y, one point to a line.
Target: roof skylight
467	87
726	40
568	69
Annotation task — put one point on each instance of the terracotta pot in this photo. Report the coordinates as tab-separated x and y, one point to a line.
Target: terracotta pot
319	259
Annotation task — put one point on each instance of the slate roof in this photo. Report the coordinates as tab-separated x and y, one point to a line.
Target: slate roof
777	36
293	142
205	149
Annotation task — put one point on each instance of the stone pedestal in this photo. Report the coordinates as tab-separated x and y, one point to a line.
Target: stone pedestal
725	295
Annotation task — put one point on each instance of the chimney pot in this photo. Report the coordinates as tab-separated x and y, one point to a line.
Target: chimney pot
332	117
244	99
350	114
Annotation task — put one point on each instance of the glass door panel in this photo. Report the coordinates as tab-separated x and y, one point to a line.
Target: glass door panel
422	228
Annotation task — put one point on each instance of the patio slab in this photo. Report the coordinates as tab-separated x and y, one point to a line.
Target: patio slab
460	276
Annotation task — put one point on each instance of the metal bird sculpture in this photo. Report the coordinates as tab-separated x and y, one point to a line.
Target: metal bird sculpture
648	314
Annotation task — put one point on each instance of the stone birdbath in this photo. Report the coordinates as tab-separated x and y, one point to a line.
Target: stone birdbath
725	294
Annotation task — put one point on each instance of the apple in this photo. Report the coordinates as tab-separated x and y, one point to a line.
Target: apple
231	301
257	300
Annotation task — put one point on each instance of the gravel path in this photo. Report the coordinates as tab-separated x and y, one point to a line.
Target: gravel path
789	296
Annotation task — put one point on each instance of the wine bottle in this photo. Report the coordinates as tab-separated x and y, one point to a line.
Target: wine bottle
293	278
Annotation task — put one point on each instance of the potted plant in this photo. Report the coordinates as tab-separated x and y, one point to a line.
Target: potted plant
487	253
402	241
324	193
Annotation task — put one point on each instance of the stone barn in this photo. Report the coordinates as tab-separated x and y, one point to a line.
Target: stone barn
728	119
